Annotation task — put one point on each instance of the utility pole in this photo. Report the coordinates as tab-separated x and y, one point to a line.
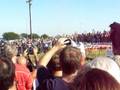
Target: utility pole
30	20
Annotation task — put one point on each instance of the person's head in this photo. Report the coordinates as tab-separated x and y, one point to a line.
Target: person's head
106	64
54	64
115	26
10	52
114	35
95	79
70	60
21	60
7	73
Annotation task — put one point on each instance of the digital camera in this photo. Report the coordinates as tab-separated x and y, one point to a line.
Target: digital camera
30	50
67	42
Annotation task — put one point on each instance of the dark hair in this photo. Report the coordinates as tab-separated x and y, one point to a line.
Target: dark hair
115	25
54	63
95	79
114	35
70	59
7	73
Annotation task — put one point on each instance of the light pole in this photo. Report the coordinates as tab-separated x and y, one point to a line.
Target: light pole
30	3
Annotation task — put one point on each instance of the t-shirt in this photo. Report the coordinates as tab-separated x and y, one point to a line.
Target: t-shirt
23	77
49	82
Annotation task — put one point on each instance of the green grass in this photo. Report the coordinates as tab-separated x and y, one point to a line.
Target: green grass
93	54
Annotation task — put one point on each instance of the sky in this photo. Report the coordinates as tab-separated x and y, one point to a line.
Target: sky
55	17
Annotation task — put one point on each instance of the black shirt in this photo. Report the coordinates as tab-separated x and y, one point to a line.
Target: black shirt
49	82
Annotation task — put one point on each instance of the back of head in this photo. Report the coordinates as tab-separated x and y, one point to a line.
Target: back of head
54	63
115	33
95	79
115	26
70	59
21	60
7	73
10	51
106	64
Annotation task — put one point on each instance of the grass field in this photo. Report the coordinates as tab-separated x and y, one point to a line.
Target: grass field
91	54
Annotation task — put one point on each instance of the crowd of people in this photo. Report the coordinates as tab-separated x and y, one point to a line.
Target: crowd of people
95	37
62	67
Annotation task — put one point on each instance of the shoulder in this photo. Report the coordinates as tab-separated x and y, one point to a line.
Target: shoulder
54	84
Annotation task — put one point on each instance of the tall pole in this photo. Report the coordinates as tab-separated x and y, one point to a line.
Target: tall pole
30	3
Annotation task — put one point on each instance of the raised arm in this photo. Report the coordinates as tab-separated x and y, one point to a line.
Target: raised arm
46	58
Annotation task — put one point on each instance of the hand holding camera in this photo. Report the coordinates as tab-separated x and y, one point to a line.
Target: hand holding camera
67	42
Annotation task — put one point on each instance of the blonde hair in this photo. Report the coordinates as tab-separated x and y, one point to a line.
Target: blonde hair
21	60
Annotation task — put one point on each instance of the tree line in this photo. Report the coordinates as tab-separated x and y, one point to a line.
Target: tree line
14	36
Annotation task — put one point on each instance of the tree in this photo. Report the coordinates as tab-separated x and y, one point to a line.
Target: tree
10	36
34	35
24	35
44	36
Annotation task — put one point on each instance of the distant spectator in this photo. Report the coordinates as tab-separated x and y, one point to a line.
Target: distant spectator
109	52
95	79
